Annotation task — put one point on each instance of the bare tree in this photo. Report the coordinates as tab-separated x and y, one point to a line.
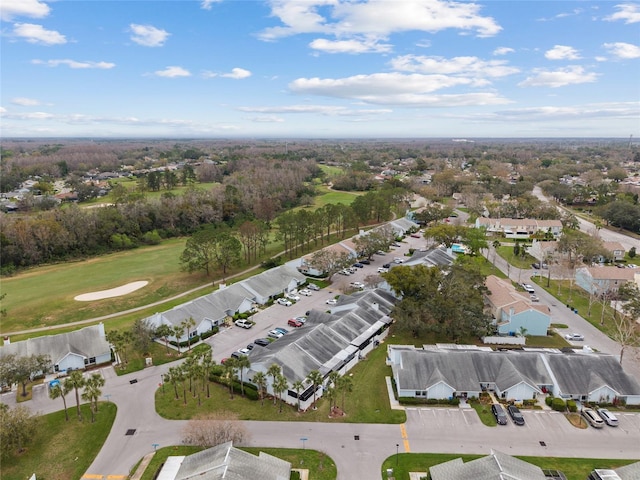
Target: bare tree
215	428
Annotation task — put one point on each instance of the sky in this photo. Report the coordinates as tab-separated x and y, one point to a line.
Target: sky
319	68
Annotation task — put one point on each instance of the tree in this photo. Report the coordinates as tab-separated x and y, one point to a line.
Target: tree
92	392
230	375
173	377
200	252
315	377
142	334
242	363
432	213
164	331
213	429
345	385
228	251
187	324
375	240
260	379
475	239
298	386
274	370
207	363
444	233
25	368
17	427
280	385
60	390
75	381
332	380
330	261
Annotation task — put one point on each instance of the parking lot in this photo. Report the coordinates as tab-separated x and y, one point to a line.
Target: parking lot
232	338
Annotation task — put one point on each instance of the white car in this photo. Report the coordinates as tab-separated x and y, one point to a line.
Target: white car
244	323
575	337
305	292
331	301
528	288
357	284
293	296
275	334
284	301
344	272
398	260
313	286
382	270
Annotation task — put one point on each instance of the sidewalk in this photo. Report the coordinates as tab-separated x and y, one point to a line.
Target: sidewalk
392	398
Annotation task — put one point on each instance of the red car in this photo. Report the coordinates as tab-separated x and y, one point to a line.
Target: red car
294	323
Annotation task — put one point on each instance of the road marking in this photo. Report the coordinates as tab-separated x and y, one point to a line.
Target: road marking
92	476
117	477
405	438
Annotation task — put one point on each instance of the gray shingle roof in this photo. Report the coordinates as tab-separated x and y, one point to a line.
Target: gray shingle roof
497	466
229	463
273	281
88	342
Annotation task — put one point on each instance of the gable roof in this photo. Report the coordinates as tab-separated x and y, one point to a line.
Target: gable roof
613	246
87	342
497	466
609	273
503	296
229	463
273	281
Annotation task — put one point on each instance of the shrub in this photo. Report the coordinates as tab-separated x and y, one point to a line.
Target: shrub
558	405
208	334
571	405
548	400
271	263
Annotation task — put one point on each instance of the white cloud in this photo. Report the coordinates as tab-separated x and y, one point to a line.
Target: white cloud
562	52
237	73
350	46
395	89
25	102
345	18
266	119
148	35
598	110
38	34
503	51
623	50
75	64
206	4
3	110
570	75
455	65
173	72
23	8
629	12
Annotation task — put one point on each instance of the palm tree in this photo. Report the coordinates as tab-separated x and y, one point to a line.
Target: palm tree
297	386
92	392
207	363
280	385
178	331
242	363
172	377
97	381
345	385
189	368
188	323
75	381
260	379
315	377
274	370
331	393
60	390
333	379
230	366
164	331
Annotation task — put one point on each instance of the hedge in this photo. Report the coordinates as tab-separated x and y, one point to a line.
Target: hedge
208	334
429	401
558	404
571	405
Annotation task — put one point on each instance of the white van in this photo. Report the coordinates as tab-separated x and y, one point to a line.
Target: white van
592	418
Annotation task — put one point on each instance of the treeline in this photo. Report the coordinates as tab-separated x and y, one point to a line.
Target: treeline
76	232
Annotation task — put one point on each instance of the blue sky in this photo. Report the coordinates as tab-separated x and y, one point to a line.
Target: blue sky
319	68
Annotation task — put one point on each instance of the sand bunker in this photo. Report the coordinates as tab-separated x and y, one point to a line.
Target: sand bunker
114	292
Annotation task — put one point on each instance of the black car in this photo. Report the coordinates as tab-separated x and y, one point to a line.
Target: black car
365	261
386	265
498	412
250	346
263	342
358	265
536	266
515	414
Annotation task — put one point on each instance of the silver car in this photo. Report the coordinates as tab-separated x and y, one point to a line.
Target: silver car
608	417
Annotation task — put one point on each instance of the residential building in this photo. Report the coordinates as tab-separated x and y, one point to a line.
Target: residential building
224	462
603	279
615	249
520	228
514	312
497	466
446	371
69	351
543	250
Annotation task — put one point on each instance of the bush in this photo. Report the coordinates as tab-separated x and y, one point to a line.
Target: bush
208	334
558	405
271	263
571	405
548	400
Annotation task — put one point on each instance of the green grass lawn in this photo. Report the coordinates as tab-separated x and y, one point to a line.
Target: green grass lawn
320	466
573	468
62	450
519	261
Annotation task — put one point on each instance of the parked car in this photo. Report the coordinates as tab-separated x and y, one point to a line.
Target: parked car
283	331
357	284
244	323
358	265
498	412
515	414
536	265
331	301
608	417
243	352
534	298
365	261
275	334
574	337
592	418
415	235
395	244
306	292
398	260
528	288
382	270
284	301
263	342
302	319
294	322
250	346
293	296
345	272
313	286
386	265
